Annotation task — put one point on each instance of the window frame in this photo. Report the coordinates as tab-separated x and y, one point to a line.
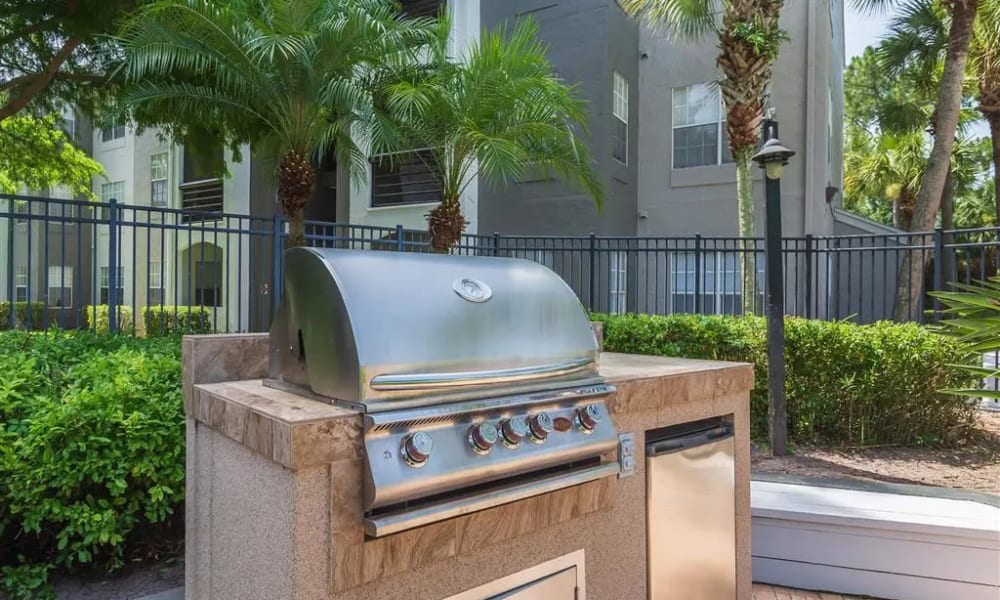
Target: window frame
104	281
154	282
721	135
618	282
106	198
116	131
620	91
163	179
20	282
371	181
721	286
64	281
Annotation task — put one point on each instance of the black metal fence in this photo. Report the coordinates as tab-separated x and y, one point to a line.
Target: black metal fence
59	257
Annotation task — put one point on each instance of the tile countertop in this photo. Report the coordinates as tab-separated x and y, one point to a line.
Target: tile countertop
299	432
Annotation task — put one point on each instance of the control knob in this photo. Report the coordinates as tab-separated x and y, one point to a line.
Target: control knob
540	427
513	431
417	448
588	417
482	437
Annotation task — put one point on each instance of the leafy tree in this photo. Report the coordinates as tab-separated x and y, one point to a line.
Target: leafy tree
52	54
292	79
947	109
496	114
36	154
749	38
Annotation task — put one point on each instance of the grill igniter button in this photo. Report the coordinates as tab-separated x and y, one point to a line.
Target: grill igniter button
482	437
416	448
540	427
588	417
513	430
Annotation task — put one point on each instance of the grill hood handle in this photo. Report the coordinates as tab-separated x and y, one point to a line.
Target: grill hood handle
420	381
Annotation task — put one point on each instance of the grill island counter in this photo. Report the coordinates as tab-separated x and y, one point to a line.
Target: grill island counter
433	425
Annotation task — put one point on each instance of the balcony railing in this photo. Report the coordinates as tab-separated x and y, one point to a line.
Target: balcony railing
204	200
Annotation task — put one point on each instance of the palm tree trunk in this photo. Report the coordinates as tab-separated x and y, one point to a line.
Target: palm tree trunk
994	120
744	201
947	224
296	179
946	112
446	223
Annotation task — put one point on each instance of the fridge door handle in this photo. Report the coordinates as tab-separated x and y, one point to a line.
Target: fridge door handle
677	444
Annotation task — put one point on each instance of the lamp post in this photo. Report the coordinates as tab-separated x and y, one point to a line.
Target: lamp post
773	157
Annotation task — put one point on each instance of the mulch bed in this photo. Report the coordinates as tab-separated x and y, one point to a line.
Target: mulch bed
973	465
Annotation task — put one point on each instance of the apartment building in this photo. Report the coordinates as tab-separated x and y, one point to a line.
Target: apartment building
656	134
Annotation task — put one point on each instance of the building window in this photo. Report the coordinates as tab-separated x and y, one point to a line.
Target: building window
619	125
111	191
21	284
617	282
105	287
154	294
60	286
114	131
699	125
21	207
69	123
721	283
545	258
158	179
404	178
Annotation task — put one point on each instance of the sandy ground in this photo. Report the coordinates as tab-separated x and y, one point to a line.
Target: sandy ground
973	466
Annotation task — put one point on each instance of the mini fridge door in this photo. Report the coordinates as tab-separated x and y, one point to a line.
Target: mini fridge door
691	514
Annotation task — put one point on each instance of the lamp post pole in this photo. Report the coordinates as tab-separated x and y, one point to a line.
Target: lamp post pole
772	157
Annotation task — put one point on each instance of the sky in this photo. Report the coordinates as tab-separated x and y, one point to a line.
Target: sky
862	30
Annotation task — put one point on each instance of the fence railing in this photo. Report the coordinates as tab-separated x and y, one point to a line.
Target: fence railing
58	257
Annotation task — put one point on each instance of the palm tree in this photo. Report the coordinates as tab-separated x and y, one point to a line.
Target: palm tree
986	63
498	113
291	78
885	168
947	110
749	38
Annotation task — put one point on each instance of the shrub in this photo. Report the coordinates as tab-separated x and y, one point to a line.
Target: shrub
37	314
91	450
166	320
845	383
98	317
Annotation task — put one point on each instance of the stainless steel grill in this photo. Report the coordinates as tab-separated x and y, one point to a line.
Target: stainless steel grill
477	376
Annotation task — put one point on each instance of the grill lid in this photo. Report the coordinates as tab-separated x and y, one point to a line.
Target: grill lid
382	329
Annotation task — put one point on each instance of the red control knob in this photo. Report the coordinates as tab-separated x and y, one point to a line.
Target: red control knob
588	417
482	437
417	448
513	431
540	427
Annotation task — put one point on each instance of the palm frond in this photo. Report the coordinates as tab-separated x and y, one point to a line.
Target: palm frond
689	19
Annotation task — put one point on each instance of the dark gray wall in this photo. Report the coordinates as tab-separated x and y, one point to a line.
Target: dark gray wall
588	40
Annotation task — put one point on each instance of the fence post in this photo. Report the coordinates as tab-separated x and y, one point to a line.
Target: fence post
697	273
496	243
276	274
399	238
10	263
593	270
809	275
938	269
112	267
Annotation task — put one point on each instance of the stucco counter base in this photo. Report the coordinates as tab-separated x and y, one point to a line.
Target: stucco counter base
274	491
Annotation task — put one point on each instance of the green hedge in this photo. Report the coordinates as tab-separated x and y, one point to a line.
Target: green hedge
167	320
98	320
845	383
22	311
91	451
